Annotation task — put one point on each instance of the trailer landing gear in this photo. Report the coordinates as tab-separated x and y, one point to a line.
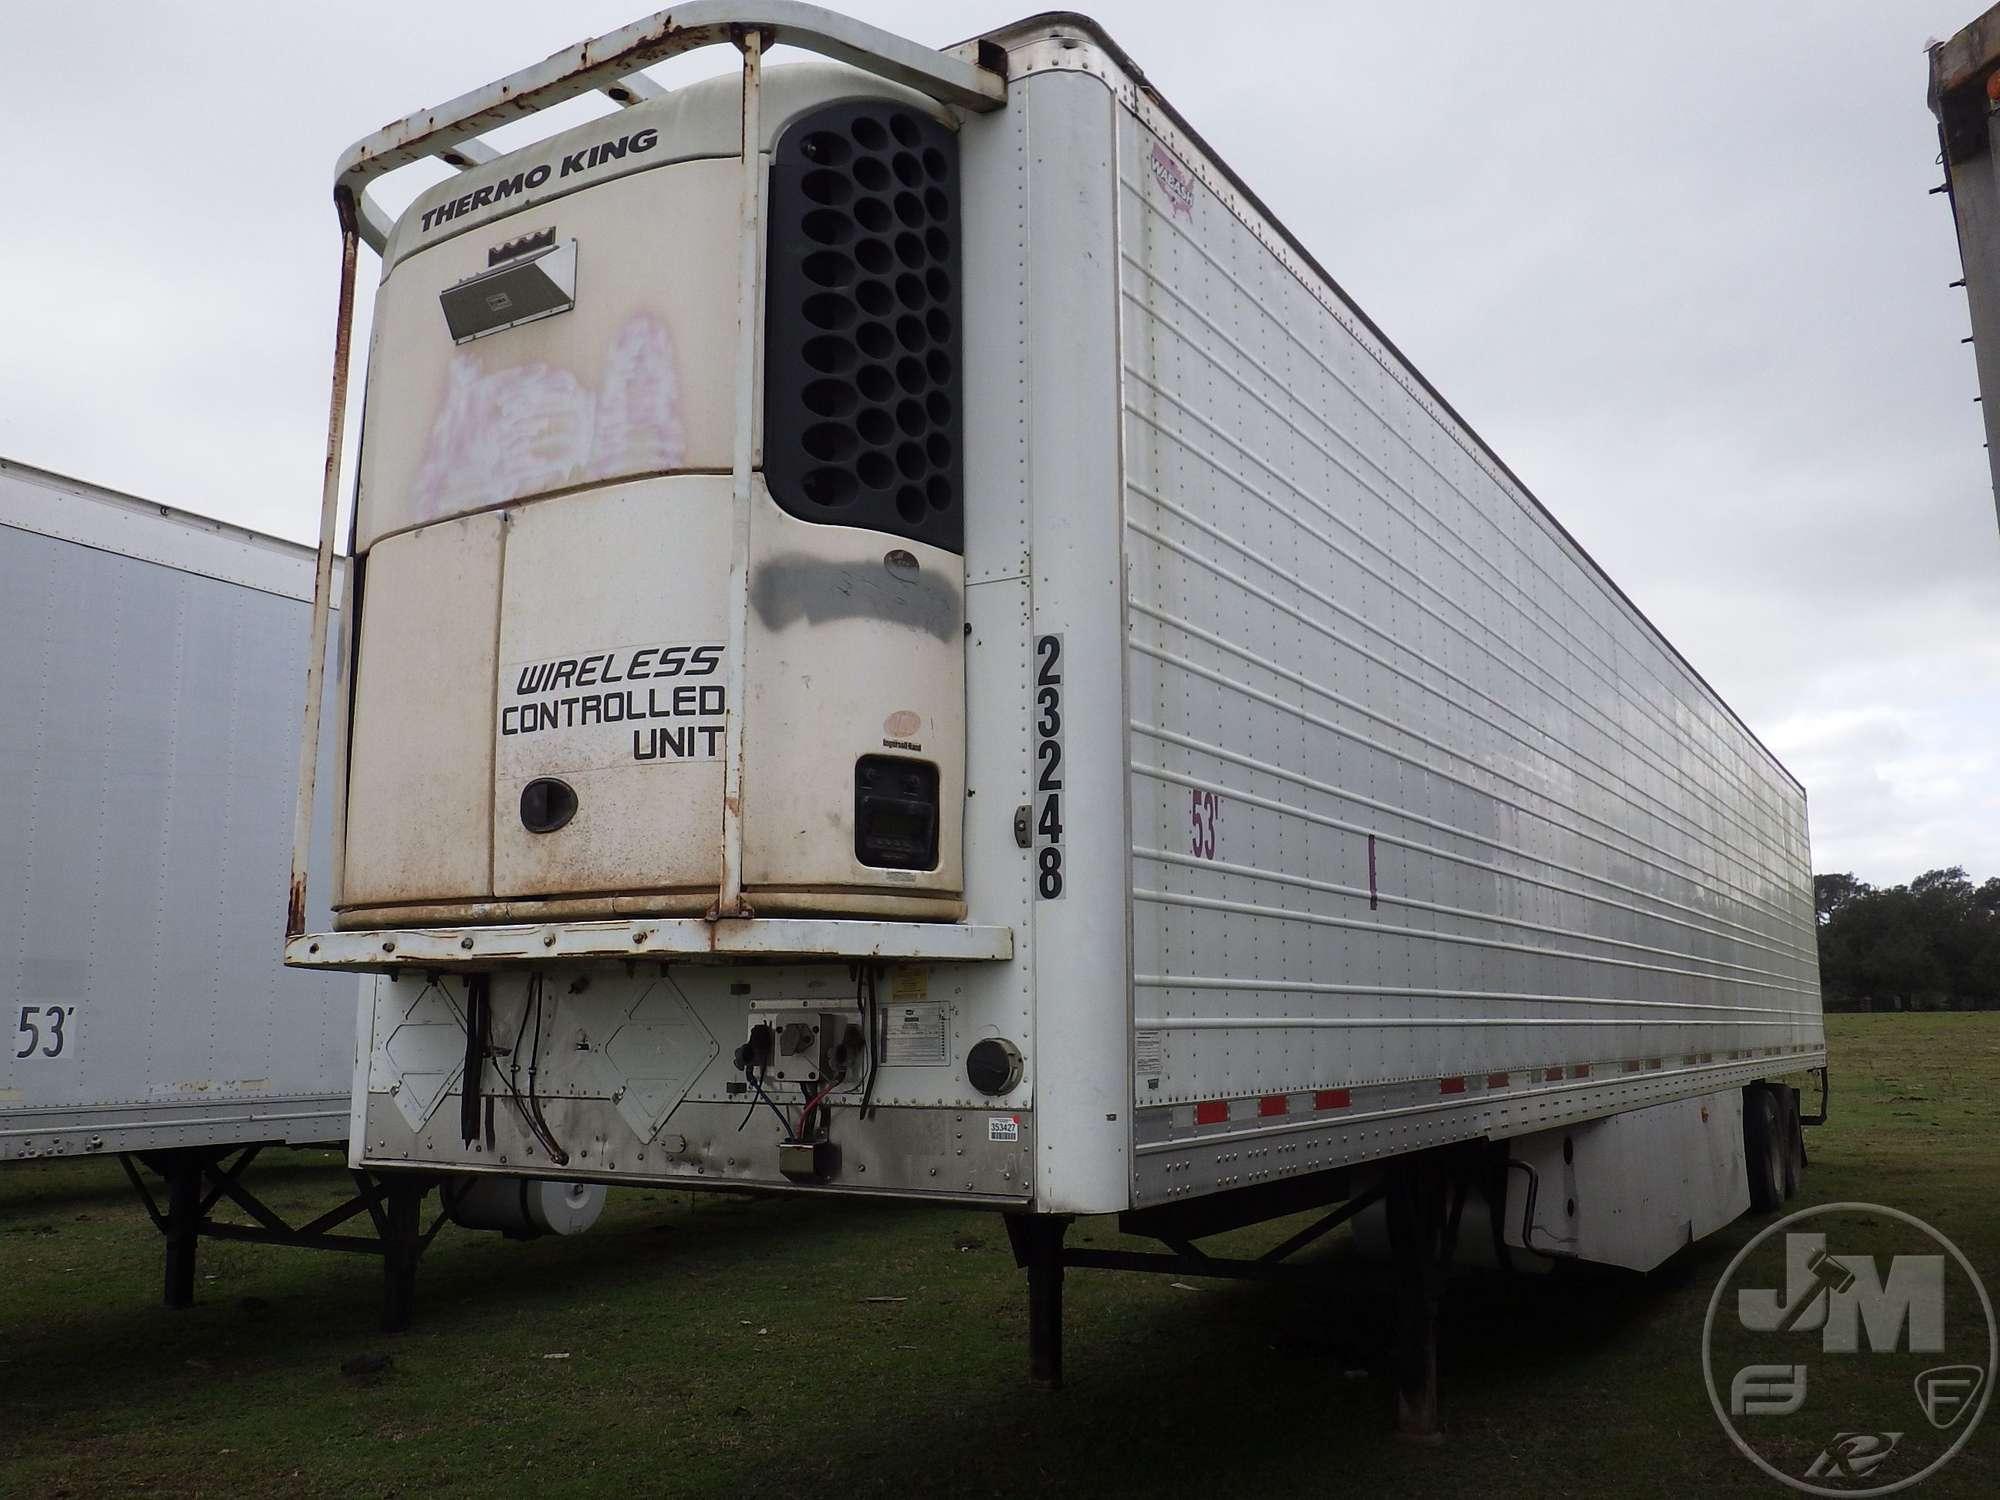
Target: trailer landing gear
199	1178
1038	1247
1037	1240
1424	1197
1424	1205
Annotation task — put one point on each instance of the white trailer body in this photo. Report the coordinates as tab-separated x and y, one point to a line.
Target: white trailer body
150	662
1313	799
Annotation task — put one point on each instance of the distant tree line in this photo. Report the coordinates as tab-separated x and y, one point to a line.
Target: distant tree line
1933	944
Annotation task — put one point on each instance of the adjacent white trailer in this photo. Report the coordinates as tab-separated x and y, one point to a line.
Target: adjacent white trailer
149	664
909	640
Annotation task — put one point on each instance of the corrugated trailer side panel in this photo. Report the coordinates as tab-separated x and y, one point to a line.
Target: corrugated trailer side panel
1433	835
146	767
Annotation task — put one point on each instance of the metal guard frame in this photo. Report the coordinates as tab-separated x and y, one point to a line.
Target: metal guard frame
608	64
677	939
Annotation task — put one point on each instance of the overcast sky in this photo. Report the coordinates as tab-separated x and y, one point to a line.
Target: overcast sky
1675	262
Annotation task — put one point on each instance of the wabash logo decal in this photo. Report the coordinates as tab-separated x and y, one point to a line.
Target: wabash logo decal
1174	181
634	143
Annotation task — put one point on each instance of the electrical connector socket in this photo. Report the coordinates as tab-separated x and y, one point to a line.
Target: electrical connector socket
808	1161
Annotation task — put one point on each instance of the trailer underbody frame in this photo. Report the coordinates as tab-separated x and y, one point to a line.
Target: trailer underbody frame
1424	1195
198	1179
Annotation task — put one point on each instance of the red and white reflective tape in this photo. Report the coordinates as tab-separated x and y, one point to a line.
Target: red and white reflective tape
1272	1106
1314	1101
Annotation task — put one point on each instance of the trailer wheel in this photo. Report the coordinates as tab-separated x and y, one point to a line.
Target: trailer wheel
1764	1148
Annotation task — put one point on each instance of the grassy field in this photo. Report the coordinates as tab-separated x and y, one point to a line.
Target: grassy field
726	1345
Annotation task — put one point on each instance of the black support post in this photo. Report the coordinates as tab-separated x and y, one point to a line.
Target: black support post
182	1228
1038	1246
402	1245
1420	1248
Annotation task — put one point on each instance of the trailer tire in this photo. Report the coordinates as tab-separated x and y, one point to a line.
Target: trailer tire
1764	1147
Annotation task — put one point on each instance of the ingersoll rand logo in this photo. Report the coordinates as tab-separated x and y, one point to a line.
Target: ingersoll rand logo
1849	1350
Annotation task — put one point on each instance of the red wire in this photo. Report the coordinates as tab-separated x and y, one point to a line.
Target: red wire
806	1113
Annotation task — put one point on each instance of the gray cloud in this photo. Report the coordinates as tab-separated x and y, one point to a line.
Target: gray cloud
1676	263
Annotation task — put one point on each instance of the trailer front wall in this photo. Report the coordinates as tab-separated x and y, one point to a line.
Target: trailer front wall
634	1066
147	760
1432	834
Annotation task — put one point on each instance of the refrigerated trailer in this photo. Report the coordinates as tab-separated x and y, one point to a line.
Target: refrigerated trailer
149	664
906	640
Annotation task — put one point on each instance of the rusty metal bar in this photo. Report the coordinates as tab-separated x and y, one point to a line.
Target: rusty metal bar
749	259
468	154
329	509
604	63
675	939
637	89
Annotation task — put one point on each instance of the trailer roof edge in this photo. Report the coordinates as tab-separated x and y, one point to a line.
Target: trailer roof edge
1097	34
233	554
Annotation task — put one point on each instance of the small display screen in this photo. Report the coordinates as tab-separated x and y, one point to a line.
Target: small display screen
895	813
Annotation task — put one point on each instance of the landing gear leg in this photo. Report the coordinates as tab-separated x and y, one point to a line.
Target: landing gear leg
1037	1240
1421	1233
402	1231
182	1227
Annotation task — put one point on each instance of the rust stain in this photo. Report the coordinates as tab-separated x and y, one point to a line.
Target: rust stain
343	328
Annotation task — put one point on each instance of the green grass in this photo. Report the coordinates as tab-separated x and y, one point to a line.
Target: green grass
724	1345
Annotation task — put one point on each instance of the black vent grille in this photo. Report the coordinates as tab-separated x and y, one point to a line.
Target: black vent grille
862	378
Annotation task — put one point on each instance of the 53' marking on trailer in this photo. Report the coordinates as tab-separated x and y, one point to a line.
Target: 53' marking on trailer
1051	876
44	1031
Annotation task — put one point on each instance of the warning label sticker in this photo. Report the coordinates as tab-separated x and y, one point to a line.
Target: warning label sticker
1149	1052
1003	1128
913	1034
628	703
